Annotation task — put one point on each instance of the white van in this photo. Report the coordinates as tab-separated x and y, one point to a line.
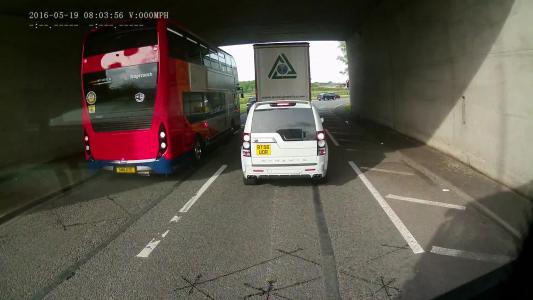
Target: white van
283	138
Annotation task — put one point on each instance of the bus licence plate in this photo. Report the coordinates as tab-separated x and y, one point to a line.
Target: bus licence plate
125	170
263	150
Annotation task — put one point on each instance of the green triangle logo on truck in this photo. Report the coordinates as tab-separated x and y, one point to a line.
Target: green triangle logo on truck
282	69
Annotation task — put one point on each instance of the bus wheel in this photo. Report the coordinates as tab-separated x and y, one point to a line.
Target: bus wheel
198	149
234	127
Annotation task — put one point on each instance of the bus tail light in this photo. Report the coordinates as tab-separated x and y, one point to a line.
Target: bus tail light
163	142
321	142
246	138
86	144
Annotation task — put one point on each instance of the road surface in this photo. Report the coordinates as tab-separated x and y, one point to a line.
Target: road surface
379	228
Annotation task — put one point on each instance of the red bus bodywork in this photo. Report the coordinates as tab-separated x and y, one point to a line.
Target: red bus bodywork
141	148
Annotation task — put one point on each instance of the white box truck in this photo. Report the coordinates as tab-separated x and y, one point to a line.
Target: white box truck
282	71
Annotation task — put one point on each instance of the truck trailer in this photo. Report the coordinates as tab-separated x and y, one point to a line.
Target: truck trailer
282	71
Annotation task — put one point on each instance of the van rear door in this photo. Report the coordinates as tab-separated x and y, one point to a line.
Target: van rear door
283	136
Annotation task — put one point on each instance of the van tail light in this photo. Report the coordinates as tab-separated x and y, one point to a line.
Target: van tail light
163	141
321	142
246	139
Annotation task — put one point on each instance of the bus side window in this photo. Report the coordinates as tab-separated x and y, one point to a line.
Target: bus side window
194	106
222	61
236	101
228	64
216	103
207	60
214	60
181	47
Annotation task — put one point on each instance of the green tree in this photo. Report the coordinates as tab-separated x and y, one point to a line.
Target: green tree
247	86
343	58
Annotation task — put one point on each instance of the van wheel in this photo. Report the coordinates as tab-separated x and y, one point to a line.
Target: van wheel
249	181
198	149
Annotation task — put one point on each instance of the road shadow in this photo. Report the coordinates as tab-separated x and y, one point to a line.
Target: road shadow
65	171
497	275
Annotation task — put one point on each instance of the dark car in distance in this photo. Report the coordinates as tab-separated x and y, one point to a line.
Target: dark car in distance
327	96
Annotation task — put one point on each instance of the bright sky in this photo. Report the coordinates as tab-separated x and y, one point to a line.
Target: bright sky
324	64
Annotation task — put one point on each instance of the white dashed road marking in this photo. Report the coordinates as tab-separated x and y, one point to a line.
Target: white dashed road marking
331	137
406	234
145	252
469	199
422	201
202	190
501	259
387	171
151	246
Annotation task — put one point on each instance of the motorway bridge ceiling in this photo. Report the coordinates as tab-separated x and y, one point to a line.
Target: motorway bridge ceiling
238	21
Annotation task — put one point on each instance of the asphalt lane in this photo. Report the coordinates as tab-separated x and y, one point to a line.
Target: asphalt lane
129	237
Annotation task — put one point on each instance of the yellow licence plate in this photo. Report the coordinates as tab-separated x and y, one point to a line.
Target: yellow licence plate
263	150
125	170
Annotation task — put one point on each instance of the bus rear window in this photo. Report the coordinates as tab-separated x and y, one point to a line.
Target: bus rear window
109	40
121	98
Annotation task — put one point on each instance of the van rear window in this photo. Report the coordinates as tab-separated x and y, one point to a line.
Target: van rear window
292	124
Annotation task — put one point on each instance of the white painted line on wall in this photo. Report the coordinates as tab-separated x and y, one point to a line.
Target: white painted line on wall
202	190
495	258
469	199
406	234
428	202
387	171
149	248
331	137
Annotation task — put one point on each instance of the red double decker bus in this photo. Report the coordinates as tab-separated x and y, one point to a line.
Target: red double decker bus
154	96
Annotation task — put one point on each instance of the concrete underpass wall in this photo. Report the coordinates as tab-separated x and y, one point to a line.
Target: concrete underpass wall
457	75
40	92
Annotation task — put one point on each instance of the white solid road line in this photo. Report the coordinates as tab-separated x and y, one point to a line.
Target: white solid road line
331	137
175	219
422	201
202	190
495	258
387	171
406	234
